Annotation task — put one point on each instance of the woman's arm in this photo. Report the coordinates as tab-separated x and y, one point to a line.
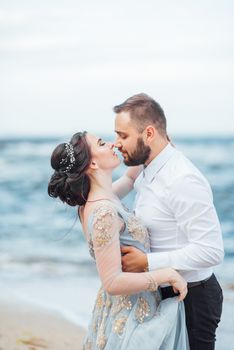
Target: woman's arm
105	235
124	184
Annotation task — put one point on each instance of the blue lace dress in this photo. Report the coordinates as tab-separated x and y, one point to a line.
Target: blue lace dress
126	314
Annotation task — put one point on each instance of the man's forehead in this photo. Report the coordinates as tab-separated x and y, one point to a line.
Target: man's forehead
123	116
123	120
125	125
123	128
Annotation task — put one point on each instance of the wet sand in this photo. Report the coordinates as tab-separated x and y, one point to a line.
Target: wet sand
25	327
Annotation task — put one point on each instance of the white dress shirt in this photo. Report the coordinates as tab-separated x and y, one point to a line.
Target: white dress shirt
175	202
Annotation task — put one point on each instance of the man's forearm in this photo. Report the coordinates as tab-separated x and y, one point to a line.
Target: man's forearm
188	258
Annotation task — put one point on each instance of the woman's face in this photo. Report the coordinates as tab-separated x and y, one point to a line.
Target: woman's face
102	152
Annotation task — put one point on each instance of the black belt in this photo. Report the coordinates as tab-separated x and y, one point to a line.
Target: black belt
168	292
197	283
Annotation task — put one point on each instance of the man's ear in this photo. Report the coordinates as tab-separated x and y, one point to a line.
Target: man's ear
149	134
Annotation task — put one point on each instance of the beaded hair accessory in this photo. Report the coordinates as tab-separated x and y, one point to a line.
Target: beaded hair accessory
70	158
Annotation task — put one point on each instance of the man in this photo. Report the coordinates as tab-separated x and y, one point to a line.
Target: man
175	202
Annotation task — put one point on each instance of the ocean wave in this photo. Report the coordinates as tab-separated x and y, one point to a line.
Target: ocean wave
28	214
24	267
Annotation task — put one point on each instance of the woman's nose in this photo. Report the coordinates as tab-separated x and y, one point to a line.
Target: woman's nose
117	144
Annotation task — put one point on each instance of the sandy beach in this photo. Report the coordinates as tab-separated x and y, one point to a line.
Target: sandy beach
26	327
53	314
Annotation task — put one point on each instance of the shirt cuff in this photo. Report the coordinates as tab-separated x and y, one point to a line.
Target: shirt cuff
158	260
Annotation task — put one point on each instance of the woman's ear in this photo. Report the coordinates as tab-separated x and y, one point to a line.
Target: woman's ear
93	165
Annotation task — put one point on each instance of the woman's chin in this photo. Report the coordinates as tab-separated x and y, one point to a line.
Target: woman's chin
118	162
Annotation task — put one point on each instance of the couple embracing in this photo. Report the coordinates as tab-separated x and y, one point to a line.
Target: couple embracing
156	264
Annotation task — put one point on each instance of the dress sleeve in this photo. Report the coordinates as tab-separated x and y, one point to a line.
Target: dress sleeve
105	231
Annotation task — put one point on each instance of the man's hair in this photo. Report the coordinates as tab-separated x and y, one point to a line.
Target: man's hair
144	110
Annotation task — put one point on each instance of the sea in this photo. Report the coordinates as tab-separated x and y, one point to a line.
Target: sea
44	258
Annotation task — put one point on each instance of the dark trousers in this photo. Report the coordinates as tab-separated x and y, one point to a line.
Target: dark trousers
203	308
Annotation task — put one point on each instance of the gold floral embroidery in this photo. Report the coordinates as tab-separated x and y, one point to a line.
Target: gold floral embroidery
99	300
103	302
101	338
142	310
121	302
94	326
136	229
88	345
101	341
108	301
119	325
102	223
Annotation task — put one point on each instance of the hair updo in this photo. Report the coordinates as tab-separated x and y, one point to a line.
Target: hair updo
69	181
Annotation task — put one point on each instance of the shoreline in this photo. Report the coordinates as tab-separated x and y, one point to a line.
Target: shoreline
24	326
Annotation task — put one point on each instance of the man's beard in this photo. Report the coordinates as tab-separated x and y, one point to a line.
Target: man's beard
139	156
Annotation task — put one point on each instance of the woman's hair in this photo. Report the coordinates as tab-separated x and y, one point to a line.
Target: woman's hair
70	162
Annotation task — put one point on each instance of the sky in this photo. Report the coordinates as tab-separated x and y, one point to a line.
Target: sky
65	64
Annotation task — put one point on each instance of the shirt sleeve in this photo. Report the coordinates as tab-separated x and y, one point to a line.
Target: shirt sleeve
105	228
191	202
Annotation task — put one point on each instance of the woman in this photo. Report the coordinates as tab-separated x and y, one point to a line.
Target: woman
128	312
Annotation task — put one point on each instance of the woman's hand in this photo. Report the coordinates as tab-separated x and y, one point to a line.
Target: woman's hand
178	284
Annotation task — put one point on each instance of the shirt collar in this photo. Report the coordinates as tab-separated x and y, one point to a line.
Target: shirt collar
158	162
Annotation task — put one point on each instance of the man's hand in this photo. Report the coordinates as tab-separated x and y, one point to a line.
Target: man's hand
134	260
